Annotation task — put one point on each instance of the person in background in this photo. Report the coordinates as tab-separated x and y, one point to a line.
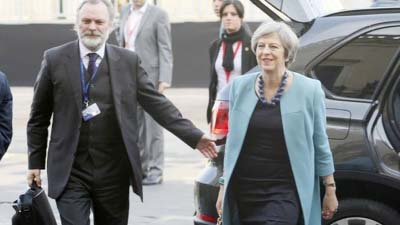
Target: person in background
88	91
230	55
216	8
6	104
145	29
277	147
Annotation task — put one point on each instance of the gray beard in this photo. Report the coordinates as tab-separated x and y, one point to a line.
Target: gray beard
93	44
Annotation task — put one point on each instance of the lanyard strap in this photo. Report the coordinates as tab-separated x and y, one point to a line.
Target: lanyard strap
85	87
228	73
131	27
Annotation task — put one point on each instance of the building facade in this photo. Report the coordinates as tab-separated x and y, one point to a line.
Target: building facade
64	11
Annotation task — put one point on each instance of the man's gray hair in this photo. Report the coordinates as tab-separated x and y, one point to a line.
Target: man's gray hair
288	38
110	7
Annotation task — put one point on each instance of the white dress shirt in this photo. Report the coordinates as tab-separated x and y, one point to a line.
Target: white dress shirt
85	51
132	26
237	66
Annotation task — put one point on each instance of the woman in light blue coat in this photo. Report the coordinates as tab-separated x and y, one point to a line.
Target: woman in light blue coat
277	148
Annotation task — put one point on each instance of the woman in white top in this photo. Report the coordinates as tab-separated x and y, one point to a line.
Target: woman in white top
230	55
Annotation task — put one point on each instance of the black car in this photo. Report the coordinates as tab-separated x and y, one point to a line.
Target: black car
356	56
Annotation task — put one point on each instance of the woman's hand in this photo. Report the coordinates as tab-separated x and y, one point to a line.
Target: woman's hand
330	203
220	200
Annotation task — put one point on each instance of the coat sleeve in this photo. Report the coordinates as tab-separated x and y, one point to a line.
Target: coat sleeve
6	104
164	48
39	119
323	155
212	86
163	111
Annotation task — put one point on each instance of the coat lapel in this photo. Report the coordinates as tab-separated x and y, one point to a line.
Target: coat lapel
145	18
245	104
215	52
124	19
245	107
246	55
72	66
248	99
117	81
242	111
294	127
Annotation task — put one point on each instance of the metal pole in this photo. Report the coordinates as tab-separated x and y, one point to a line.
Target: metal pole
61	10
61	7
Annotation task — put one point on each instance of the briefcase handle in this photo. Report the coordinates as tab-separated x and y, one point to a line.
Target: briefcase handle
34	185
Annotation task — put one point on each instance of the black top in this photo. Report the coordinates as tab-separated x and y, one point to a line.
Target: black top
248	62
264	154
263	183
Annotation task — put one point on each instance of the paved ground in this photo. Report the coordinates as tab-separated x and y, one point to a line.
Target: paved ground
168	204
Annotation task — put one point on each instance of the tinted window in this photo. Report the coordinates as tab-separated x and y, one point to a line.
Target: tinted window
396	101
356	69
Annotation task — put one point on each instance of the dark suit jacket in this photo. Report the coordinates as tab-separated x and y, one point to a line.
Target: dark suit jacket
58	93
248	62
5	115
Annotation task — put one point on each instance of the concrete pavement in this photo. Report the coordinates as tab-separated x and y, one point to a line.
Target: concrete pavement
168	204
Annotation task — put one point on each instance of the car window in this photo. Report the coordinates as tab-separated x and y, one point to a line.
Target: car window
391	116
396	108
355	70
395	100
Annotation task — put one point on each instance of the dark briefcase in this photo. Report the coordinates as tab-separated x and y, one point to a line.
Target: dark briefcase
33	208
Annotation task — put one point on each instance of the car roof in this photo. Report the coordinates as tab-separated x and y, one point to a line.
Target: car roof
329	30
305	11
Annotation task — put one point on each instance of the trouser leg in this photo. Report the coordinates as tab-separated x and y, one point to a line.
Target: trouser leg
111	204
74	204
154	145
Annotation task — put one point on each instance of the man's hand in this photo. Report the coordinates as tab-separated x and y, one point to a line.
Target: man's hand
207	147
162	86
34	175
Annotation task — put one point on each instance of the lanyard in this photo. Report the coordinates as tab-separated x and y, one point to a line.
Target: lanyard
228	73
85	87
131	27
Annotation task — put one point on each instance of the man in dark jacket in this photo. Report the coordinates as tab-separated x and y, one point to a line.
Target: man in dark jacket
88	91
5	115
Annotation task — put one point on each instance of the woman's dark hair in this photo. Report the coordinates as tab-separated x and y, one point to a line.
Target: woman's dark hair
237	4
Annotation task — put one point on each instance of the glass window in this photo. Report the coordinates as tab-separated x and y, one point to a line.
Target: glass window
396	101
356	69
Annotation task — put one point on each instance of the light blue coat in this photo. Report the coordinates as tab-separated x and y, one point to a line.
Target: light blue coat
304	122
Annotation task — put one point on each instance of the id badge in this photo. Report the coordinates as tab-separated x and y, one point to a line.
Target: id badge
90	112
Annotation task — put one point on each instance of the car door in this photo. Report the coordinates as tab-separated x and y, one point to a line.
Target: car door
386	131
354	77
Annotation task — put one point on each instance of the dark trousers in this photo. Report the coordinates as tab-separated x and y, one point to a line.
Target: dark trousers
107	196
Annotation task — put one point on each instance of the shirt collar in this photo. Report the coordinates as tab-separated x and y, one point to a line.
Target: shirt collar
84	51
142	9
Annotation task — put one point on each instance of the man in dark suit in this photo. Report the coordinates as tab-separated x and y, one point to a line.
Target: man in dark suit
92	89
5	114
